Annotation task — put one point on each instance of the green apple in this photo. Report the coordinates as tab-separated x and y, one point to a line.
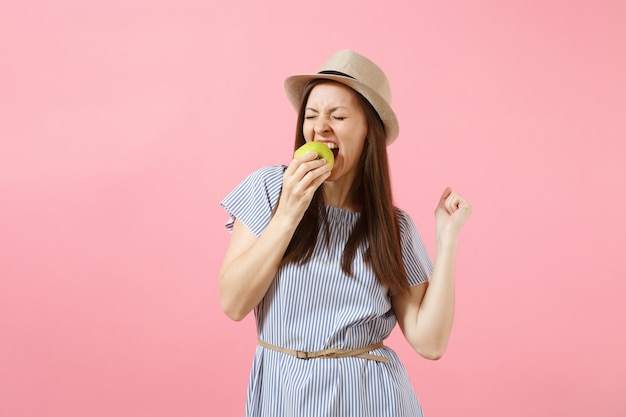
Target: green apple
322	150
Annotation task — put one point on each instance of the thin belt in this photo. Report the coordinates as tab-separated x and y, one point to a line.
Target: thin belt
331	353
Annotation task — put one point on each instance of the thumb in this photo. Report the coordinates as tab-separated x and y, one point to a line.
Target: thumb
444	196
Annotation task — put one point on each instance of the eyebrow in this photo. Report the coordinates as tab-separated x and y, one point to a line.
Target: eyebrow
331	110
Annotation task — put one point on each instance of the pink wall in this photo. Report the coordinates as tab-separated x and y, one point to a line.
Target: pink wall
123	123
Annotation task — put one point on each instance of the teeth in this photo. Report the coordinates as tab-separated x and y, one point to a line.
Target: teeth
331	145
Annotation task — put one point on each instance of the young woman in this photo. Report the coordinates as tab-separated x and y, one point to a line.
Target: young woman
329	265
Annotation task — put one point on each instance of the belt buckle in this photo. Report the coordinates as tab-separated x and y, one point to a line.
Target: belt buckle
302	355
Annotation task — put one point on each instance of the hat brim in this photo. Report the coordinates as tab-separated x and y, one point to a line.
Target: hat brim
294	87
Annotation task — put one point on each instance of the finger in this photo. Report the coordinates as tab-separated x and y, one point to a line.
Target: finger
296	162
464	205
303	164
309	156
319	180
444	196
292	167
310	167
451	203
305	178
457	203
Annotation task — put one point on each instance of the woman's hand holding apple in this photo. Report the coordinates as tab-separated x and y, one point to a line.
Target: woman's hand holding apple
301	179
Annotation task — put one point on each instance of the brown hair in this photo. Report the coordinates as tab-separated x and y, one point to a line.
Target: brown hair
377	229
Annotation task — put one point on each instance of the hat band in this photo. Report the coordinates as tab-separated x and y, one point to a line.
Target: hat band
330	72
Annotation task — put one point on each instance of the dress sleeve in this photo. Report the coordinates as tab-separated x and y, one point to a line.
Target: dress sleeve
253	200
417	262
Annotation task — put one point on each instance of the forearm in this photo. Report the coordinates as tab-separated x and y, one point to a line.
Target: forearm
425	312
436	312
245	279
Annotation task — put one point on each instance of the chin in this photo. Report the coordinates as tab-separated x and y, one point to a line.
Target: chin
334	175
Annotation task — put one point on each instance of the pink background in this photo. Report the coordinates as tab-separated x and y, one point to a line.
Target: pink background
123	123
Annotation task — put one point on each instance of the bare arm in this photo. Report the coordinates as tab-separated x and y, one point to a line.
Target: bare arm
251	263
425	312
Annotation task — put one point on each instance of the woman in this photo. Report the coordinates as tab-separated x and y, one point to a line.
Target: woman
329	265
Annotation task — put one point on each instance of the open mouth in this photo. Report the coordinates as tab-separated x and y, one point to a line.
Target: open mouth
333	147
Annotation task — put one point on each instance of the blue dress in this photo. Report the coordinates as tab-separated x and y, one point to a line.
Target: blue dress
316	306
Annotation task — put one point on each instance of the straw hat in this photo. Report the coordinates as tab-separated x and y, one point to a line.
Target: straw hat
357	72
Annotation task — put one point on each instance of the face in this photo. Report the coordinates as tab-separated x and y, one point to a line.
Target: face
334	115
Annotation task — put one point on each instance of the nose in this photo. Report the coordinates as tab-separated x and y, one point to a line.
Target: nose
321	126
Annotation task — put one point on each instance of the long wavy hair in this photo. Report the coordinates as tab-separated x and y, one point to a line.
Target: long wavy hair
377	230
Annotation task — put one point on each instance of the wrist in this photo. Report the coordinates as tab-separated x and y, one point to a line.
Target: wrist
285	220
446	242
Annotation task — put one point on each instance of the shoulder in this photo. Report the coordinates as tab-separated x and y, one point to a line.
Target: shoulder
268	174
266	180
409	235
270	171
405	222
414	253
254	199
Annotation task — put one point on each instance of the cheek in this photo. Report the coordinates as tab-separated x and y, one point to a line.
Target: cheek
307	130
358	131
362	137
353	152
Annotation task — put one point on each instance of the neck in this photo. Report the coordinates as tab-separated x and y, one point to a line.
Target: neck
341	196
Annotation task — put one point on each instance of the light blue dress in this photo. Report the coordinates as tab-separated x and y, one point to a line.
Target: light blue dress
316	306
